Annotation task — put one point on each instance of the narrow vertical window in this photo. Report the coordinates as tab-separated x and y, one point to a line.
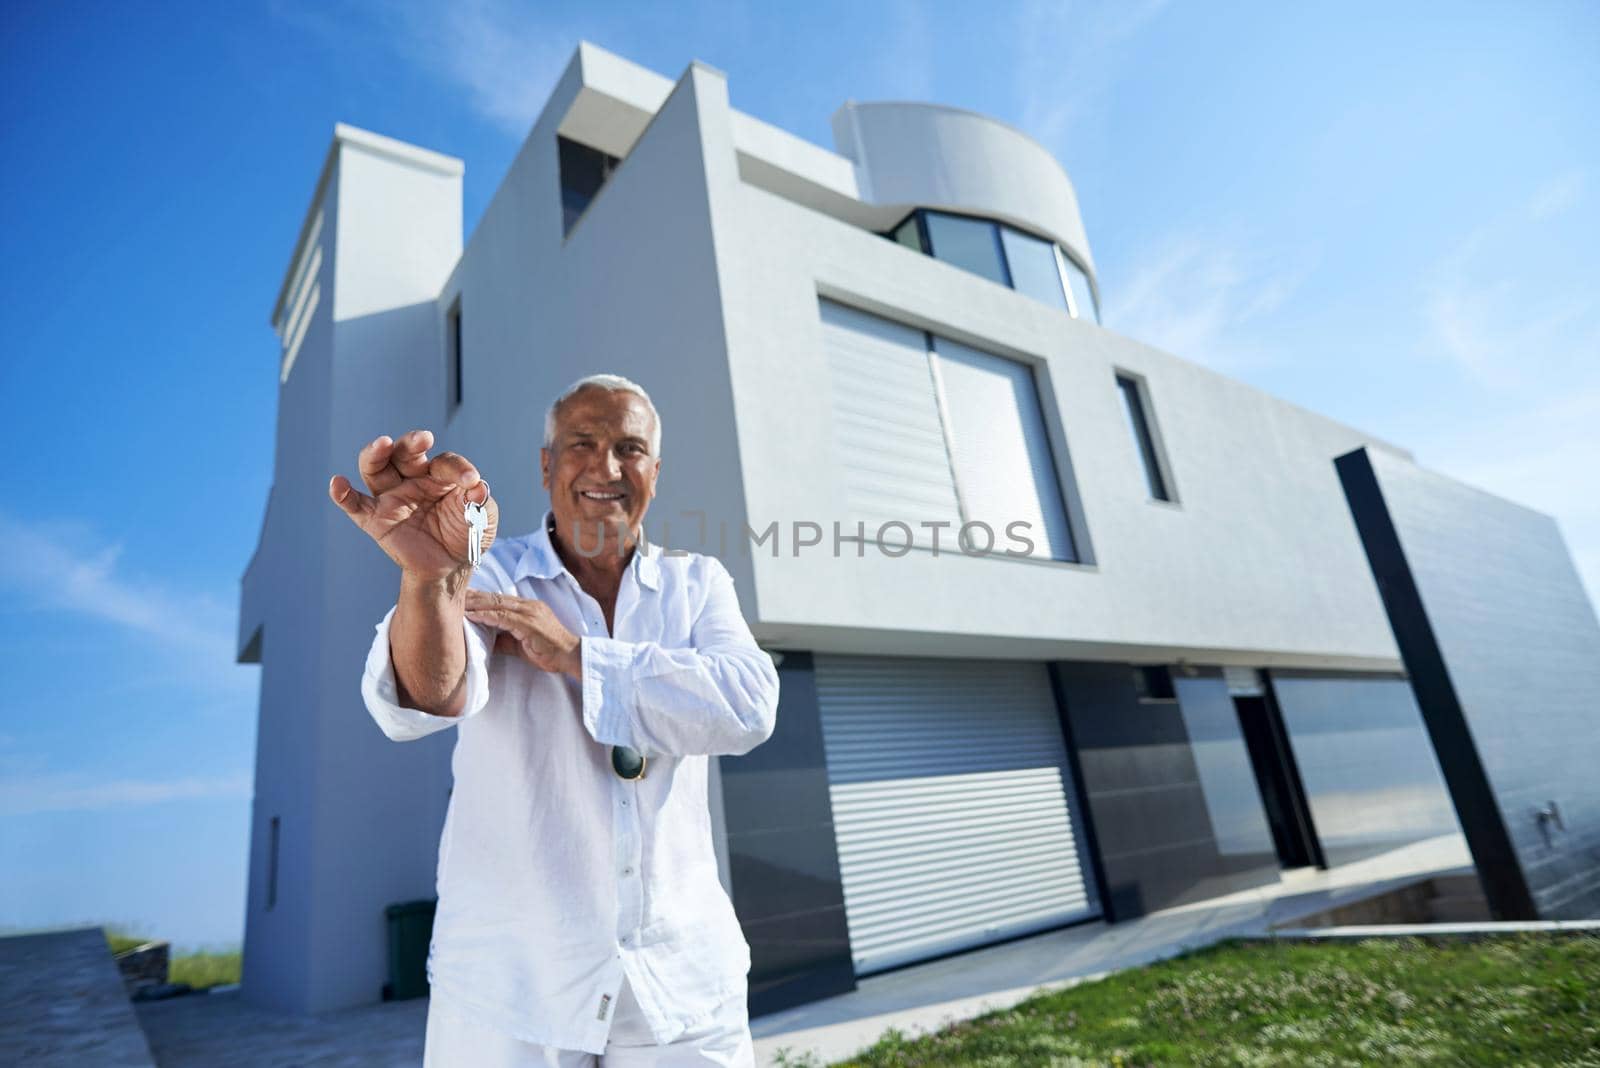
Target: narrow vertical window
272	865
452	342
583	171
1144	438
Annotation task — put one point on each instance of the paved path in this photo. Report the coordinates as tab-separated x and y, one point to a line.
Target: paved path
63	1003
215	1030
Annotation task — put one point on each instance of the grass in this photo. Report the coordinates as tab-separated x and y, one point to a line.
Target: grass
1518	1000
200	969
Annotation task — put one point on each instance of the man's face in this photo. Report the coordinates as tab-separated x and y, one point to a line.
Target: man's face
599	469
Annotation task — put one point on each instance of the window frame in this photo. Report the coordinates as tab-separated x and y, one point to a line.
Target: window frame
1150	446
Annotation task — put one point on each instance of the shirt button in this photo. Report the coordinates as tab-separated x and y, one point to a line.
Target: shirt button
624	802
627	871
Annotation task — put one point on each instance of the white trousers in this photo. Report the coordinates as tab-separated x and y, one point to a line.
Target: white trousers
723	1040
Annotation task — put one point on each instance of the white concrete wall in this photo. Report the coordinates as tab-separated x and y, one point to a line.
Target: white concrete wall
280	601
1259	564
351	804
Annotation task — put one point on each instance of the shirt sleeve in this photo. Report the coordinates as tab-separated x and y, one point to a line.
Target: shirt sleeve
718	697
378	688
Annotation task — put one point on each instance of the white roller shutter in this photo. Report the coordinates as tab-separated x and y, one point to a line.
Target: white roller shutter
951	802
889	444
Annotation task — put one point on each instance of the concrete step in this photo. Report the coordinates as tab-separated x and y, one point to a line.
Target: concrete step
1464	883
1458	908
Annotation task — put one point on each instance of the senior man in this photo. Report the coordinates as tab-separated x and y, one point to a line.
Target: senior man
590	676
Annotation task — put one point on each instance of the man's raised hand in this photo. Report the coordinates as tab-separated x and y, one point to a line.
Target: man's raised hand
417	511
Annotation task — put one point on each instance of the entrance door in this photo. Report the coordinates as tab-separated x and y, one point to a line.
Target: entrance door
1281	796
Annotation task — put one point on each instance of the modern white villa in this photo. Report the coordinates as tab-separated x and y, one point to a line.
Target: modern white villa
1069	628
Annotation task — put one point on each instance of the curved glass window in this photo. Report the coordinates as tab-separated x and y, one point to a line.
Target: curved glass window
970	244
1004	255
1083	304
1033	267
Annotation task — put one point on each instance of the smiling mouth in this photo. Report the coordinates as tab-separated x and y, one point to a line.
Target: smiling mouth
599	495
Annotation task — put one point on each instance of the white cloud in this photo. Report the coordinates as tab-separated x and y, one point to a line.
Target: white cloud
1195	296
1557	195
1069	57
911	73
1530	354
20	796
63	567
1543	456
1503	331
505	55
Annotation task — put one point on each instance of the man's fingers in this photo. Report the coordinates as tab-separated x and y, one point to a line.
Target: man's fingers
411	453
489	607
357	505
376	471
452	467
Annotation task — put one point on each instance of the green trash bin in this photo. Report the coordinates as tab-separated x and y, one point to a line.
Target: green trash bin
410	931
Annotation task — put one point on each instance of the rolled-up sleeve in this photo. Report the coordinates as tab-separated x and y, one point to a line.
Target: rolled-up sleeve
382	696
718	697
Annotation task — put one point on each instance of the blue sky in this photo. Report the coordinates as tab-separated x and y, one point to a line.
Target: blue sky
1385	213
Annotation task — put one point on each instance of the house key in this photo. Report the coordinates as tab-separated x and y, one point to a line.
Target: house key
477	525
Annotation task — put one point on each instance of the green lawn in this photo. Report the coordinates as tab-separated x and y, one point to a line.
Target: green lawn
1519	1000
199	970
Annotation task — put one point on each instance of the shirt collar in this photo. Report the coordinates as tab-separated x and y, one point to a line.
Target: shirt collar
540	559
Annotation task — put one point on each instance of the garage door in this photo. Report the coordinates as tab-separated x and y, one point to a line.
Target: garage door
952	804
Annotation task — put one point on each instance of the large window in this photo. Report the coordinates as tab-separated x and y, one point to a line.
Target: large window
1004	255
1001	452
583	171
938	436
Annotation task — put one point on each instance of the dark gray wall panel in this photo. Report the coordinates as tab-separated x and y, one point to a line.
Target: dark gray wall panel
782	858
1503	649
1365	761
1156	828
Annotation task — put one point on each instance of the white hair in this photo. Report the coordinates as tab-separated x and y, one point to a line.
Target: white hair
614	384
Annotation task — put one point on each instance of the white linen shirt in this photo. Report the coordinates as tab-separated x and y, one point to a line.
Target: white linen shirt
556	876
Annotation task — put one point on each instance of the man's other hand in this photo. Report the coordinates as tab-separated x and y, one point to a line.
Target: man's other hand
417	511
528	629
